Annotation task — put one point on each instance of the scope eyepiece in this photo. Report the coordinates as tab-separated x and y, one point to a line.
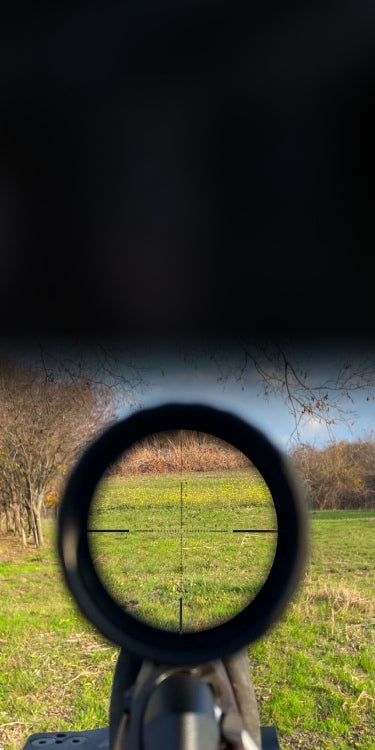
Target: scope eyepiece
176	563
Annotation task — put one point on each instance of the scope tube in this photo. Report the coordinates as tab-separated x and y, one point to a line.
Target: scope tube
118	624
180	715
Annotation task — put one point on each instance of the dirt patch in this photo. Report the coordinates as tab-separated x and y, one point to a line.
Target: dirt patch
12	549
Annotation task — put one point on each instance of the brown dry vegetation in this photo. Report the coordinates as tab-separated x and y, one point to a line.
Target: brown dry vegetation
339	476
184	450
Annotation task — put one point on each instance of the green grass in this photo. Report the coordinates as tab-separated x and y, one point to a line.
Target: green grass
313	672
179	544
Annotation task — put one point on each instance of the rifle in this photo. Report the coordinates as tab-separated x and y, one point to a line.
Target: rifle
182	679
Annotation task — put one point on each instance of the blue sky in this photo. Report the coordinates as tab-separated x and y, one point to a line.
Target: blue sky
196	378
203	373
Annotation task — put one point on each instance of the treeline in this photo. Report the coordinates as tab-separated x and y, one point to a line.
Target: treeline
339	476
47	416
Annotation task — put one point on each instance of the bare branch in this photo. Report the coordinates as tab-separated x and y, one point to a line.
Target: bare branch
283	369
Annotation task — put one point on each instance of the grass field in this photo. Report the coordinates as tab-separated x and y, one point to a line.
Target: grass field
313	672
180	541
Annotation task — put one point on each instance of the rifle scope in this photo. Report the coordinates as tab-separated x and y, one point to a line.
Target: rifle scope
182	533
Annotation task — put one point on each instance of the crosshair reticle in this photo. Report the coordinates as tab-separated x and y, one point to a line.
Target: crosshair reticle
182	531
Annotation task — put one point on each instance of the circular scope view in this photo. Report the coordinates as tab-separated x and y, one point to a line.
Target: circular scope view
182	531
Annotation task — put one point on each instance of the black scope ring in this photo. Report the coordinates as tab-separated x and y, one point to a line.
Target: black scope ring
94	601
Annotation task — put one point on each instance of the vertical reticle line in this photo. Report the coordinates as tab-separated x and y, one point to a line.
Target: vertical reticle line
181	505
181	553
181	559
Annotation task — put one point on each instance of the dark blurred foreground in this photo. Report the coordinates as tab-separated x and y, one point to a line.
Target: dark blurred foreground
195	168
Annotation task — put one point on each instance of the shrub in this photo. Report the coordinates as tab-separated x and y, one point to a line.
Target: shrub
341	475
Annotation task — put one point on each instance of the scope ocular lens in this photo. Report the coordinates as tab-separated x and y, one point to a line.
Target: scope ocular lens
182	530
182	533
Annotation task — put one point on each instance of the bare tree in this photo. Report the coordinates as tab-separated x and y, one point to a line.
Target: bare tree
45	421
316	383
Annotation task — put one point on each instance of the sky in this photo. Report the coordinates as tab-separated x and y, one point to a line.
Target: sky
197	378
205	373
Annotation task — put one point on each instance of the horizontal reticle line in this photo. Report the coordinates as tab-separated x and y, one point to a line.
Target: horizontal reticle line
109	531
255	531
184	531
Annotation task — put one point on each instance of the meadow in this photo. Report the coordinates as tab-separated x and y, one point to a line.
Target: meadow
179	541
313	671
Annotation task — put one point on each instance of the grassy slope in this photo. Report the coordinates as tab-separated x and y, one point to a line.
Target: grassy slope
313	672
